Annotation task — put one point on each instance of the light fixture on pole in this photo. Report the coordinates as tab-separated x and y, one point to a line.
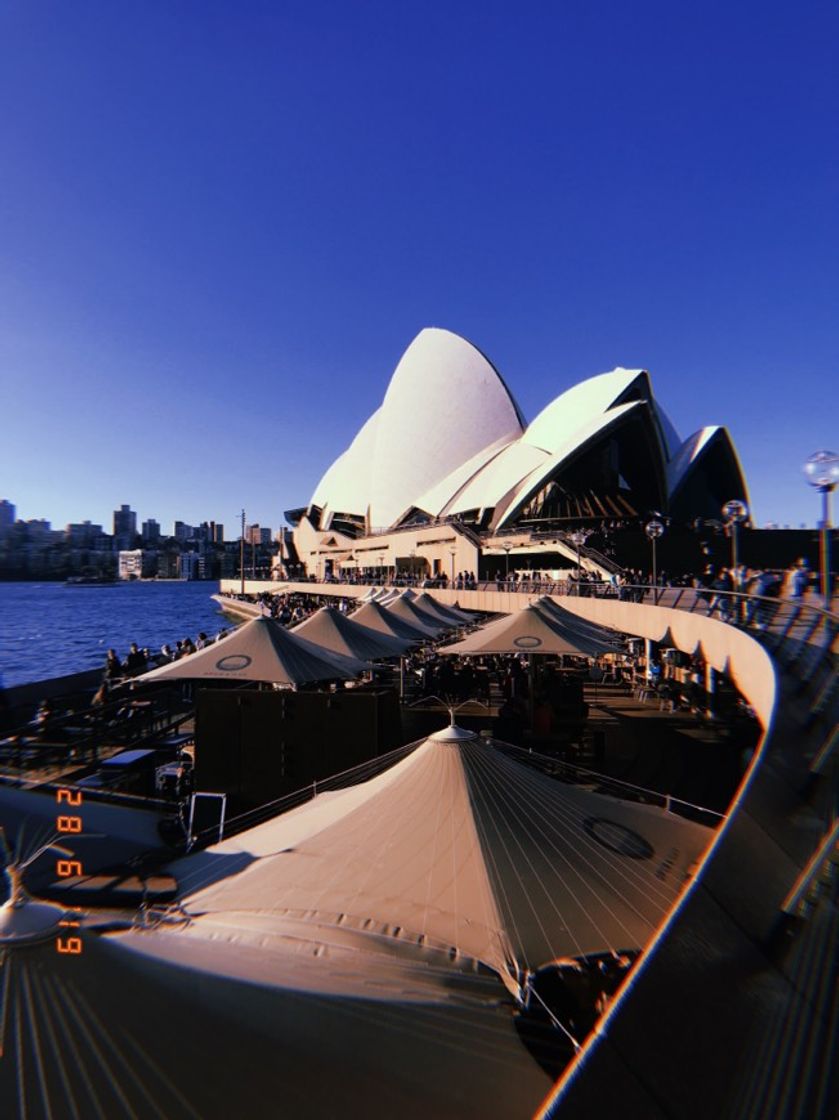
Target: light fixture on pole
507	550
654	529
453	552
822	472
578	538
734	512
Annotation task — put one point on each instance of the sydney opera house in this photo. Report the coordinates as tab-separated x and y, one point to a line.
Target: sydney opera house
449	446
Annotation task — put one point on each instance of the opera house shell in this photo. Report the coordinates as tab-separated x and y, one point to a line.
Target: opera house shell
450	443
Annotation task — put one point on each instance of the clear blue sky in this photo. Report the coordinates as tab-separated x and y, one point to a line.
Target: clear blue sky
222	223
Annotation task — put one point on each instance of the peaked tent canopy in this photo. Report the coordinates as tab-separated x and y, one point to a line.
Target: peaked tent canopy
442	611
332	630
376	617
261	650
406	610
375	933
459	846
530	630
567	618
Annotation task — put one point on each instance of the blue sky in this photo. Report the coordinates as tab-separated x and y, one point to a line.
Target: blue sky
222	223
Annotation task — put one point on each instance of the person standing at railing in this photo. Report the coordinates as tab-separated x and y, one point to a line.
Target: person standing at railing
723	584
796	580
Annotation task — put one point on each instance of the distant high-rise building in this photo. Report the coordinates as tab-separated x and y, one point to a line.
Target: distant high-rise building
82	534
125	527
7	514
183	532
151	531
256	534
216	532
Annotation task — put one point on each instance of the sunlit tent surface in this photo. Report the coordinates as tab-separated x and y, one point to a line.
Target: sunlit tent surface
261	650
461	846
406	610
376	617
530	630
362	959
573	621
331	629
450	615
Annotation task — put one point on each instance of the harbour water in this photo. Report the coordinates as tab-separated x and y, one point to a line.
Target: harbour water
47	629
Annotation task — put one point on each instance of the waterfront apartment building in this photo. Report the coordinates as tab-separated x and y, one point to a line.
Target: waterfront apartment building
137	563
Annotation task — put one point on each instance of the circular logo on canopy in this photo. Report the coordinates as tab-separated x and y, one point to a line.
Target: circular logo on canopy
617	838
233	662
526	642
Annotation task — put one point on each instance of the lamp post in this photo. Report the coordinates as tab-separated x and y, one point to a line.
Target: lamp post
654	529
382	566
822	472
734	512
242	554
507	550
453	553
578	538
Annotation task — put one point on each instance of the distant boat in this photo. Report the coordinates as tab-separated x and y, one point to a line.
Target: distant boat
90	581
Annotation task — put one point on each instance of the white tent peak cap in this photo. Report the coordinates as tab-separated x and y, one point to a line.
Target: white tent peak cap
453	734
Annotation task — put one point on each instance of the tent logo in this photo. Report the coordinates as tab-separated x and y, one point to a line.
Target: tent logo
527	642
617	838
233	662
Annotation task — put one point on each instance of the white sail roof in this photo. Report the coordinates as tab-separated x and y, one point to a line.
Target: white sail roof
445	404
345	488
592	426
501	474
435	500
556	424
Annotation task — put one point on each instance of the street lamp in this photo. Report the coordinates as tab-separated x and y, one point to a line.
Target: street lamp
578	538
654	529
453	551
822	471
734	512
507	550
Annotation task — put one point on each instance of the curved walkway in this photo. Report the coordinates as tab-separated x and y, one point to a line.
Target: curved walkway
734	1010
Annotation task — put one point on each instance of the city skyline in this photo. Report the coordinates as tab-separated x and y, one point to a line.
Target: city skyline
221	229
157	528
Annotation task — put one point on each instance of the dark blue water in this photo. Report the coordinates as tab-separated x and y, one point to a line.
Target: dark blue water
47	629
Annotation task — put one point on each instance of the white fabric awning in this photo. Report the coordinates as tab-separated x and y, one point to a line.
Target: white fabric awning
261	650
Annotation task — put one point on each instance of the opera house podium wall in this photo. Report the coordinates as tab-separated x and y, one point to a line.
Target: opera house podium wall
732	1010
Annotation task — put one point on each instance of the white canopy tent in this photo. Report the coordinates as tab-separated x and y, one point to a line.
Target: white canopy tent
332	630
362	958
573	621
376	617
530	630
445	613
261	650
403	608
